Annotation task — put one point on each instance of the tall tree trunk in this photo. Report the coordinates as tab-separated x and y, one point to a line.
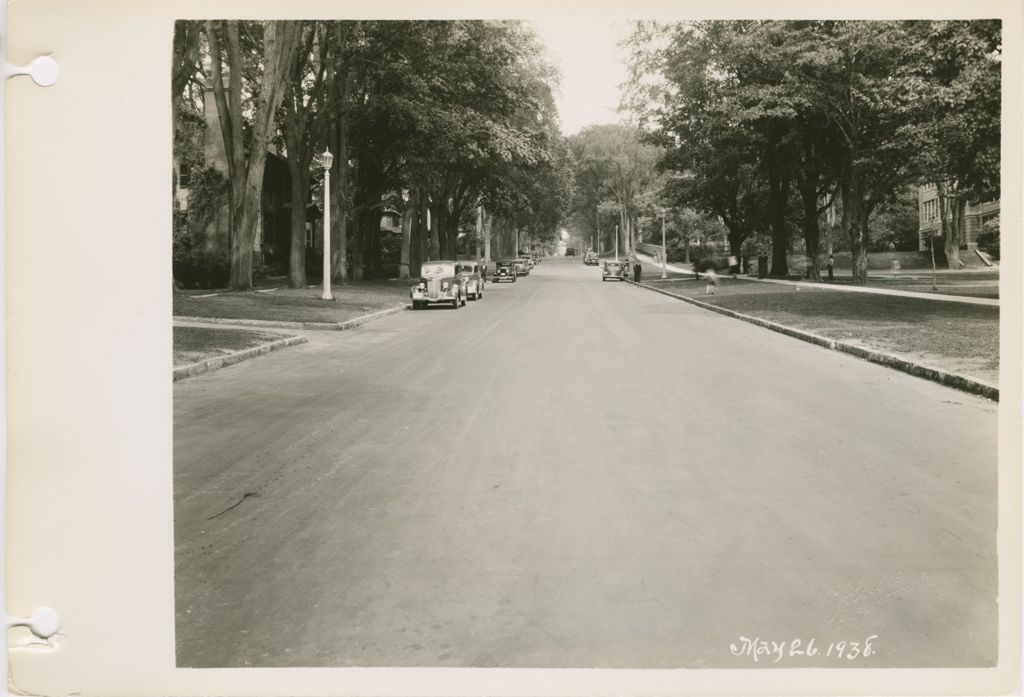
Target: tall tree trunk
855	223
280	41
341	204
372	257
778	199
812	233
297	252
952	206
478	239
418	244
488	221
430	211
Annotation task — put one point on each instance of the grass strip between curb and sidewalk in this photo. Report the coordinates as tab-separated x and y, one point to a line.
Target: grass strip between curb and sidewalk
949	379
211	364
335	326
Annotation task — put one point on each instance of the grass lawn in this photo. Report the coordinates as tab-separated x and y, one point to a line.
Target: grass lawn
194	344
297	304
973	285
952	336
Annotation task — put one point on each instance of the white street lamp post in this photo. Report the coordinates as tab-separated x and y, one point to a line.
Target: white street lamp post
616	243
327	159
664	249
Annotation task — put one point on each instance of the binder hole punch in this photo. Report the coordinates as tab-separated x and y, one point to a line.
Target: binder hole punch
43	70
43	622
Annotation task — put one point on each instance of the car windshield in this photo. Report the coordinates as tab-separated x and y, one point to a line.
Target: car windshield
469	268
437	270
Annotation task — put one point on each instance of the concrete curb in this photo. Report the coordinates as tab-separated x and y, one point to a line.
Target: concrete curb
960	382
335	326
211	364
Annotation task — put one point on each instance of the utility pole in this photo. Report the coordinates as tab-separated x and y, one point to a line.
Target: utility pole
664	249
616	243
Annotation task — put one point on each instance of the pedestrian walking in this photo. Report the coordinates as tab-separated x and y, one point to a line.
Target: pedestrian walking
636	270
712	276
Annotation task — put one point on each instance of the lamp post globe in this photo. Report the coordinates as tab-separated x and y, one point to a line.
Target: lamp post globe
326	159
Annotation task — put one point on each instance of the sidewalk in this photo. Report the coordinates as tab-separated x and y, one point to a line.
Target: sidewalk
954	343
674	268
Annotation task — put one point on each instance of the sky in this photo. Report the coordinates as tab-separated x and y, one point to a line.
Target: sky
586	53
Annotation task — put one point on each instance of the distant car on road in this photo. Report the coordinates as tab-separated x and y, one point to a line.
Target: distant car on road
473	282
590	258
504	270
521	268
570	251
615	270
528	260
440	283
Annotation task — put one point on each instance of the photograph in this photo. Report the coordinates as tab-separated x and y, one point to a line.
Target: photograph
579	342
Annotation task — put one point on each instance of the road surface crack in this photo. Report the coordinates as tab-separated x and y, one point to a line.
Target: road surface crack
238	503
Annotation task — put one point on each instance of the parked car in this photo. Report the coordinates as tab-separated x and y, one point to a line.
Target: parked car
473	279
440	282
528	260
614	269
521	268
570	251
504	270
590	258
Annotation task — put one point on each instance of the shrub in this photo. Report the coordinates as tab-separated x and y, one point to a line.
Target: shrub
197	267
988	239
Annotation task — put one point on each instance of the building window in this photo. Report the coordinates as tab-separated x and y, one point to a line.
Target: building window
184	178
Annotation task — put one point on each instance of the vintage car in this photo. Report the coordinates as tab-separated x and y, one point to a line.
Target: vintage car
504	270
590	258
440	282
521	267
473	279
614	269
528	260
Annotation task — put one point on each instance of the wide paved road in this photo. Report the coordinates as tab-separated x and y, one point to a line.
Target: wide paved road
572	473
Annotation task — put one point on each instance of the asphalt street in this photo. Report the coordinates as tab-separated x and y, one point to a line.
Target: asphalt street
571	473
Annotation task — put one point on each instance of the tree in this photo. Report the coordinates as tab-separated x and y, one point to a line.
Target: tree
613	163
958	67
303	132
858	74
280	40
680	90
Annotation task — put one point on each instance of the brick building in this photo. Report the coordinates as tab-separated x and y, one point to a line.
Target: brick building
976	215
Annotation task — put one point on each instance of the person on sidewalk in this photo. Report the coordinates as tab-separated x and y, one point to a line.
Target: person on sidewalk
636	270
712	276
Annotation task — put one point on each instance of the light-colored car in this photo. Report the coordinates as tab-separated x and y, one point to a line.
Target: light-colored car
521	267
440	283
473	283
590	259
614	269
